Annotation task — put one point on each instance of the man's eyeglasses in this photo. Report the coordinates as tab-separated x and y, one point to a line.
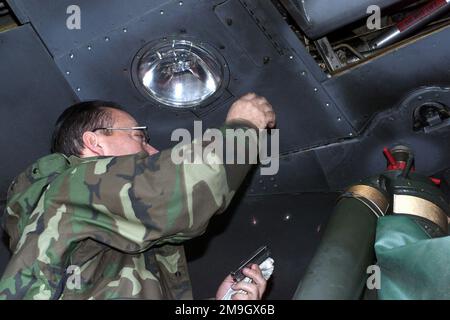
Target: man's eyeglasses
145	137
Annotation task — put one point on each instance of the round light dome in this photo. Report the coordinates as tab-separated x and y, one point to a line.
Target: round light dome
179	73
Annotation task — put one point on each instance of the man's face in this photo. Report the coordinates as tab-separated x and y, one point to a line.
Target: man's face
124	142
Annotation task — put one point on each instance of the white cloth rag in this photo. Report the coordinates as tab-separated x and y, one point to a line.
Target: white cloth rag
266	267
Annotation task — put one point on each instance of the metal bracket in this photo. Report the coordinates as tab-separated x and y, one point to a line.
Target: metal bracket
329	56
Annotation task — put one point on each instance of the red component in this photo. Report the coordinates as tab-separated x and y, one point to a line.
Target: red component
421	13
390	158
401	165
436	181
394	164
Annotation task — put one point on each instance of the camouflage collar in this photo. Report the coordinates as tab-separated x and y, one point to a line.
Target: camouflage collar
74	160
48	165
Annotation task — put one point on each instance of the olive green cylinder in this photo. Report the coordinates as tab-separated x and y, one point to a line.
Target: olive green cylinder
338	270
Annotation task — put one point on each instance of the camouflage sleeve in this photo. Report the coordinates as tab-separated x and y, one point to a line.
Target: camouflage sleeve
140	201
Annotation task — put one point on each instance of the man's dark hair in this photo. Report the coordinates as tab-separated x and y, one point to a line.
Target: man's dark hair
67	136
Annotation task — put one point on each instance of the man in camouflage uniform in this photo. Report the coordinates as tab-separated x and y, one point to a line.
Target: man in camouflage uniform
105	215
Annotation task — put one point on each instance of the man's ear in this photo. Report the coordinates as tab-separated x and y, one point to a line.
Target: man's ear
92	144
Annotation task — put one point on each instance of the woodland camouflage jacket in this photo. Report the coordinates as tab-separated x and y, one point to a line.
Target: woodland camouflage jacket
109	227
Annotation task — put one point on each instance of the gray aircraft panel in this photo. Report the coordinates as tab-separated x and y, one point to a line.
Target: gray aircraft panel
385	81
345	163
34	93
291	225
102	68
49	17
